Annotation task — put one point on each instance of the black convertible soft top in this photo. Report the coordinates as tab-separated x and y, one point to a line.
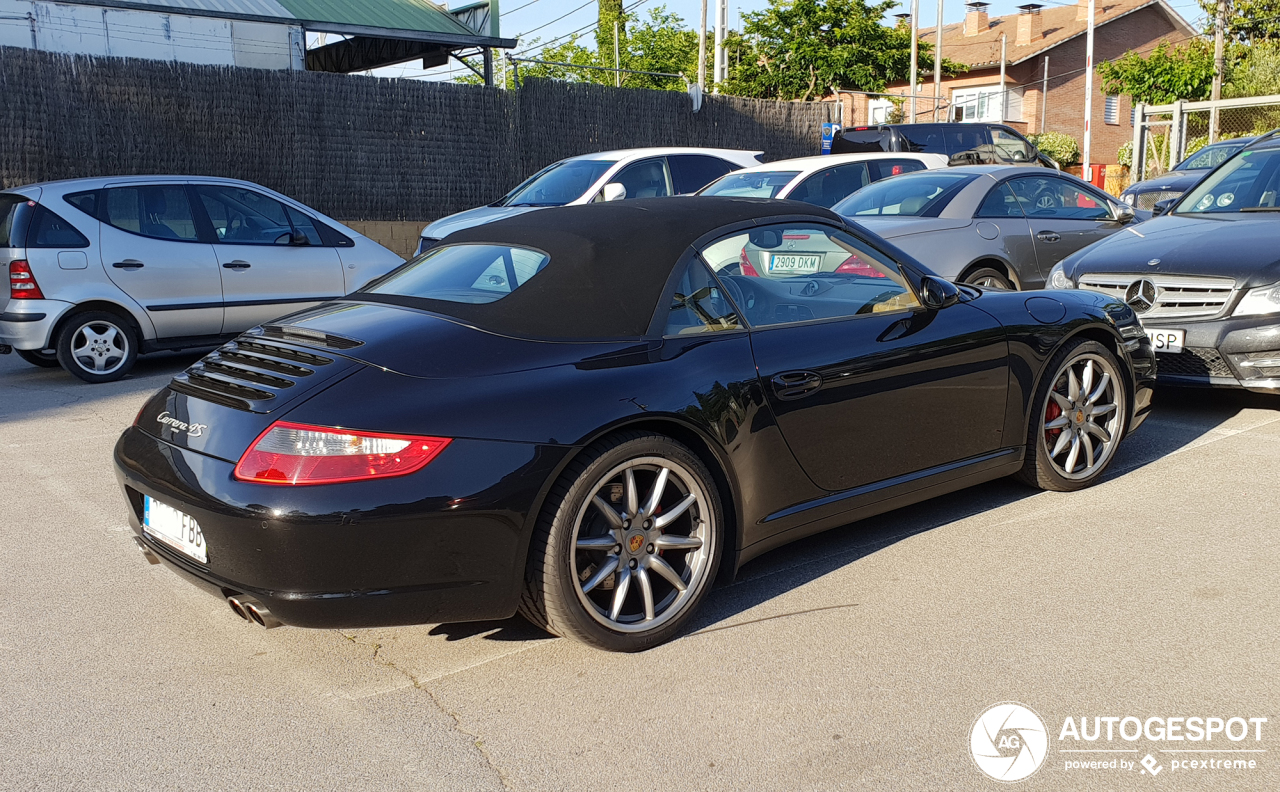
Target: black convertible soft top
609	262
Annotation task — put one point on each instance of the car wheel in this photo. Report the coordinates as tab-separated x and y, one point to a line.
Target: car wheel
990	278
1078	419
44	358
626	546
97	346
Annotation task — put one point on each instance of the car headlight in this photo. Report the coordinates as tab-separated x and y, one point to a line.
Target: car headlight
1058	278
1127	198
1262	300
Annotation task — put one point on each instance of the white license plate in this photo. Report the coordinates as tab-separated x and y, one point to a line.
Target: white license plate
1167	340
791	263
175	529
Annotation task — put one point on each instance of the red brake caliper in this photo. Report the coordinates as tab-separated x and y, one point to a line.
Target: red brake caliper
1051	411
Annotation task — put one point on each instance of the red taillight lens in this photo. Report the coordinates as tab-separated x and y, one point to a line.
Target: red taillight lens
745	265
22	284
298	454
856	266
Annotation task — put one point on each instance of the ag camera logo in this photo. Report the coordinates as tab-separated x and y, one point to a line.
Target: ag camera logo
1009	742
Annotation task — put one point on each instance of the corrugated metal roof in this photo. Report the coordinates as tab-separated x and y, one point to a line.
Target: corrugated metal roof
391	15
388	14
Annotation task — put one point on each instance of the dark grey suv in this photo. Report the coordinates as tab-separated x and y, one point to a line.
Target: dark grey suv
964	143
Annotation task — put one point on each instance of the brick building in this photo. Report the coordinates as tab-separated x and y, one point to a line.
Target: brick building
1037	33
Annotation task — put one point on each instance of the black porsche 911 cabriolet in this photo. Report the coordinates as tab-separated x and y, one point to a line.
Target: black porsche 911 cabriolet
587	414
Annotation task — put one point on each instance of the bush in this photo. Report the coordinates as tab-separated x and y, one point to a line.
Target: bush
1061	147
1125	155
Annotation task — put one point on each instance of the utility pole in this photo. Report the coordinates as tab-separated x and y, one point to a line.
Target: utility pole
937	63
722	62
702	50
1044	94
1004	58
915	54
617	58
1088	91
1219	66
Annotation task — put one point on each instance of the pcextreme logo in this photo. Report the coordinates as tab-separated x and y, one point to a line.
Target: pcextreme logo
1009	742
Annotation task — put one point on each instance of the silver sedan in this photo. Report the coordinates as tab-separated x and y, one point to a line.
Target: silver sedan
989	225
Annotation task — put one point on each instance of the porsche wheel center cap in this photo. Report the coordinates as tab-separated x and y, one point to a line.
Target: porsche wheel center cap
1079	416
635	542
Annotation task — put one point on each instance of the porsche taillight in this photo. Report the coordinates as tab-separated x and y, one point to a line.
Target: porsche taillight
22	283
298	454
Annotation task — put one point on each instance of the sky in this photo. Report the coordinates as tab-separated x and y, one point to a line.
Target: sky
549	19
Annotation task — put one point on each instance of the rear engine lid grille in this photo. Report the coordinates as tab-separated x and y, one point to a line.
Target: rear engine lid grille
1177	296
256	375
305	335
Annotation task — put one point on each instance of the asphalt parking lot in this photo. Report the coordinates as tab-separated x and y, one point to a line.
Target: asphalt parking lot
857	659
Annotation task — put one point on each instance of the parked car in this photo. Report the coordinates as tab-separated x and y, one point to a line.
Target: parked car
103	269
995	226
421	453
1204	278
964	143
822	181
606	176
1148	192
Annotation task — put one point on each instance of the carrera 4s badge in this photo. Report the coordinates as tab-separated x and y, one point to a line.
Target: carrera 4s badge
192	430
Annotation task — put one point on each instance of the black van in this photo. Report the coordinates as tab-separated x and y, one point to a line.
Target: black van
965	144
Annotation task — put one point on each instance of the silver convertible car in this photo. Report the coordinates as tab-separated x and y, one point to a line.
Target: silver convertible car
989	225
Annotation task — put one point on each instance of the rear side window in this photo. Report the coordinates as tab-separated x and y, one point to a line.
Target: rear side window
50	231
463	273
86	202
926	138
692	172
923	194
156	211
826	188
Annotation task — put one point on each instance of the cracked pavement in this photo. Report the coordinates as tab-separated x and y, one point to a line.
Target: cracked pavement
857	659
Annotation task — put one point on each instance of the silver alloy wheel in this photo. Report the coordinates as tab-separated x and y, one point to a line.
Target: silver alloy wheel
1083	416
99	347
638	563
991	282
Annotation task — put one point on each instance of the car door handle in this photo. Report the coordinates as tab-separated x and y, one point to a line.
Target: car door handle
237	264
796	384
1048	236
128	264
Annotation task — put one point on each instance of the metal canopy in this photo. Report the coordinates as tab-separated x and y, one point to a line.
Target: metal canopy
379	32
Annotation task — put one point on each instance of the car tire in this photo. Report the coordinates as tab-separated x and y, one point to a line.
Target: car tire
97	346
608	570
1079	416
44	358
989	277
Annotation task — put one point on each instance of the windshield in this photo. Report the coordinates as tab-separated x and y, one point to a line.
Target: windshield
463	273
558	184
1209	156
1245	183
922	195
766	184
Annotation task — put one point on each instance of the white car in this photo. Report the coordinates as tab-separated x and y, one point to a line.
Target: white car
102	269
606	176
823	181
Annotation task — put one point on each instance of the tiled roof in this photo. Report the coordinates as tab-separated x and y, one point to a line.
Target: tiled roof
1058	24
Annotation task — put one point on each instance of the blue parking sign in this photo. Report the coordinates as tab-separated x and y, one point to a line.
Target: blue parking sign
829	132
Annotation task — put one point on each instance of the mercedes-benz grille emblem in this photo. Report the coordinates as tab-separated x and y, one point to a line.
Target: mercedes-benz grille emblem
1153	263
1141	295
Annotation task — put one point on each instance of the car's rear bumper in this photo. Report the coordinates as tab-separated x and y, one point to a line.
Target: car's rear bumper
1235	353
28	324
445	544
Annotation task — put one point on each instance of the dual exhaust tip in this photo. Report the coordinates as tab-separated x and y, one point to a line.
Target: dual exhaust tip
246	607
252	610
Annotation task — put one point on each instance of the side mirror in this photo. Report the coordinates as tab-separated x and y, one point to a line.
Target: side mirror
293	238
937	293
1123	213
613	191
1164	206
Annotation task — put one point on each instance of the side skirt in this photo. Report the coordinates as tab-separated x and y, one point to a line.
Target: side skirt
860	503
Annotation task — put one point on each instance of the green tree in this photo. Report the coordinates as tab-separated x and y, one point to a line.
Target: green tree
1248	21
805	49
609	13
1256	72
1168	74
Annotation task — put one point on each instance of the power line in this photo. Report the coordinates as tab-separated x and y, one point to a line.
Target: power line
517	8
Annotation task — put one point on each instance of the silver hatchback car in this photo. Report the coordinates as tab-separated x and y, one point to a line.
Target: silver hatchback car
103	269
